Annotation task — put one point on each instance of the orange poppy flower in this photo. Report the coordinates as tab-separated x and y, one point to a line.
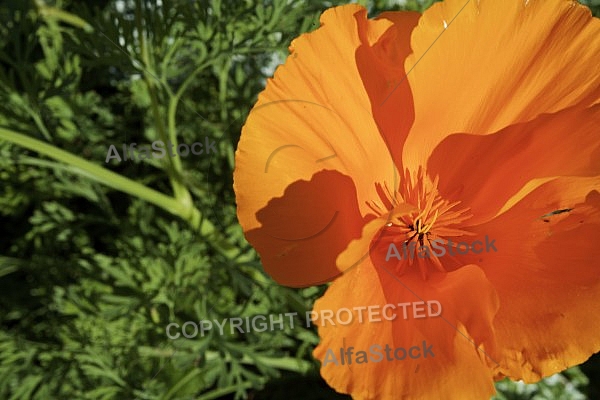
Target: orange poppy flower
473	124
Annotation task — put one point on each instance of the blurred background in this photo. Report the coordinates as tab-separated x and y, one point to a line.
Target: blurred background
97	258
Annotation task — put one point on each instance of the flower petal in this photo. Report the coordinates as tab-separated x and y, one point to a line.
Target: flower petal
479	66
547	274
485	172
315	115
303	231
457	365
381	66
462	336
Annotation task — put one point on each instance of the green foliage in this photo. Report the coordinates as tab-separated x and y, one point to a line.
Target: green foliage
594	5
95	265
567	385
91	276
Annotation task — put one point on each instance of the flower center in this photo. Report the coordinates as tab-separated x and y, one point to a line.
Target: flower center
434	218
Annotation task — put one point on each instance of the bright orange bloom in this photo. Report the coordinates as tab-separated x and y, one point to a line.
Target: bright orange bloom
476	121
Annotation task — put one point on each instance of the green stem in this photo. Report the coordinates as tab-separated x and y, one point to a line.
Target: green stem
191	78
71	19
174	167
215	394
167	58
174	100
110	179
283	363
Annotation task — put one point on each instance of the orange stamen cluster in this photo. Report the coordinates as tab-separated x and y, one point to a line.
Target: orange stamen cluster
434	217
